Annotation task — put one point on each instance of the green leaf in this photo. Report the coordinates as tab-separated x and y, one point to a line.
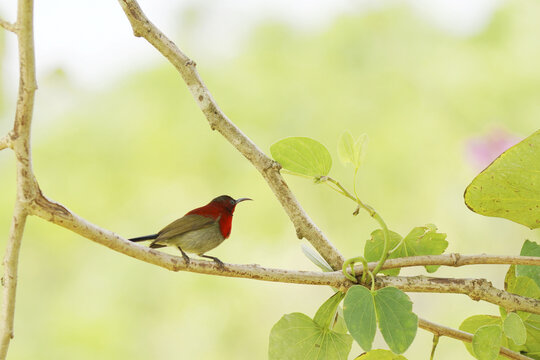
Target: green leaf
359	314
380	354
532	345
473	323
327	312
486	342
360	148
510	278
302	155
423	240
346	148
374	248
351	151
515	329
530	248
295	336
510	186
397	322
339	325
523	286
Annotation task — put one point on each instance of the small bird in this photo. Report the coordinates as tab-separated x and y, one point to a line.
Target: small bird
200	230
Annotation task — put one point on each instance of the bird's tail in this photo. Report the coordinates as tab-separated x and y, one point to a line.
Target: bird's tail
142	238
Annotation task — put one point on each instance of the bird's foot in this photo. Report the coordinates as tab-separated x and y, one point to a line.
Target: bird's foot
216	260
184	255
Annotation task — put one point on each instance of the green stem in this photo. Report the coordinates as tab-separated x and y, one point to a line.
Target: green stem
435	343
335	189
373	214
350	262
386	250
354	183
372	281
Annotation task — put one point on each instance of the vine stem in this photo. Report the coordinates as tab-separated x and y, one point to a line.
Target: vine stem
365	269
374	214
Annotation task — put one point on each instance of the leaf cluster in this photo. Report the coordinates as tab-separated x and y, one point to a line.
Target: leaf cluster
509	188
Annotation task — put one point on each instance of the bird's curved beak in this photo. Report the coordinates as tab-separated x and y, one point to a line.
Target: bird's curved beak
242	199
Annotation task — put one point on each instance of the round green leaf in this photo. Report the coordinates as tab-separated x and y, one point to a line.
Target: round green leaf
359	313
296	336
486	342
397	322
473	323
510	186
302	155
515	329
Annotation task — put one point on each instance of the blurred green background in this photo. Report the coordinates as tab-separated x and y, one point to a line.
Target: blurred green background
134	156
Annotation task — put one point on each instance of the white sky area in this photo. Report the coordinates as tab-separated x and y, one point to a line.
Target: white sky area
93	43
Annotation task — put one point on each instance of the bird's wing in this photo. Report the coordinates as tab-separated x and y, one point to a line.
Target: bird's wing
184	224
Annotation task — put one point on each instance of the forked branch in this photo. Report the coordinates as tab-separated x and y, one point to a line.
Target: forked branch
269	169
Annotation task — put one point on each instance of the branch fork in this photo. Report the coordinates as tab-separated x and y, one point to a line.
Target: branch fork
31	201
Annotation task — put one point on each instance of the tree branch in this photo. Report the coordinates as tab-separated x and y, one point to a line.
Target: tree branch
9	280
269	169
27	188
30	199
476	289
441	330
19	140
454	260
61	216
8	26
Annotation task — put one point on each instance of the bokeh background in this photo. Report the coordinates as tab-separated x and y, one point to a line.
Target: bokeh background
440	89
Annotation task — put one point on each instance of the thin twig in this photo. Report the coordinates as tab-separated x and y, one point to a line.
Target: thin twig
476	289
305	227
374	214
9	280
5	142
454	260
8	26
442	330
